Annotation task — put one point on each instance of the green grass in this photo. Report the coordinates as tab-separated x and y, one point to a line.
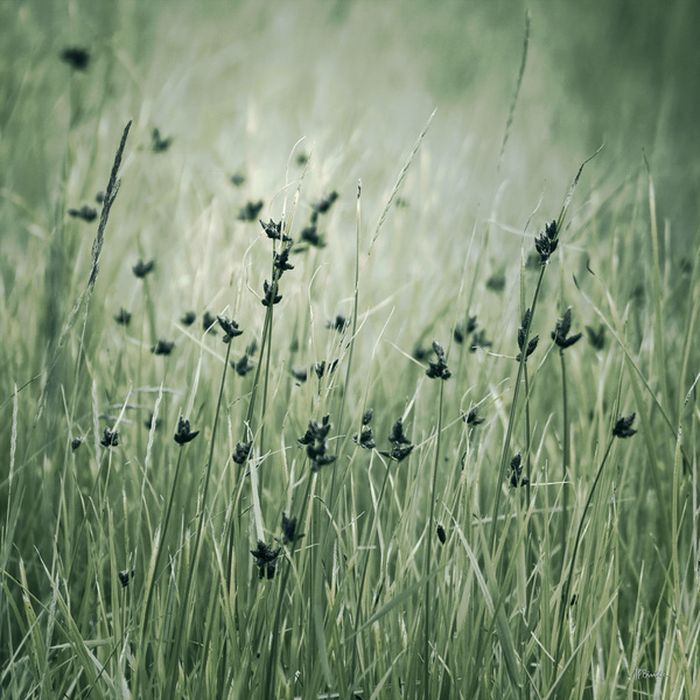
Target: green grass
577	585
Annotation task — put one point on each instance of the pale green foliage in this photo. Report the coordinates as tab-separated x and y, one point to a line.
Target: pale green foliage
343	607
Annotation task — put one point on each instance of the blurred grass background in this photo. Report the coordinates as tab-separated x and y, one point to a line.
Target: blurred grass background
236	85
624	73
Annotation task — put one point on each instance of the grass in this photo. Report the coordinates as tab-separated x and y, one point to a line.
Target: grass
402	552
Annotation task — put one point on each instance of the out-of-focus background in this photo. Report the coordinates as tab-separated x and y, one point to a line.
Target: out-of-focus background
238	83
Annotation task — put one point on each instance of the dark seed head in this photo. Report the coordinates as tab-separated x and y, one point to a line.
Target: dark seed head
365	438
282	263
265	559
497	282
123	317
516	477
420	353
310	235
289	530
75	443
397	436
207	322
160	144
243	365
110	438
151	423
623	426
300	374
399	452
183	434
163	347
546	243
523	331
270	295
560	334
125	577
596	337
472	418
86	213
441	534
141	269
479	340
339	323
188	318
315	441
250	211
77	57
323	205
242	452
237	179
438	369
229	327
273	230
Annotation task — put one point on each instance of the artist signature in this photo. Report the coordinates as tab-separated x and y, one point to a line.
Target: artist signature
643	673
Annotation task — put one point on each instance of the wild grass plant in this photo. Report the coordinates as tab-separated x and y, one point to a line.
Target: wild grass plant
295	417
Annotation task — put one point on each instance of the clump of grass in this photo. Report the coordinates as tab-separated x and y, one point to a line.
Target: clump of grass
247	551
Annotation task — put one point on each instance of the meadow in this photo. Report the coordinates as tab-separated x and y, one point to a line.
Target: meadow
349	350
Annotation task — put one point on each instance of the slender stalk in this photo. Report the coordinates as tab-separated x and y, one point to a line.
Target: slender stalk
513	406
565	462
363	578
268	323
150	310
356	297
198	537
355	302
271	674
564	603
247	430
229	530
528	469
426	639
247	423
159	551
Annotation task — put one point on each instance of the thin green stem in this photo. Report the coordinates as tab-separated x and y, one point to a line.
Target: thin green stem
271	674
565	462
564	603
268	347
528	465
428	601
198	537
513	406
159	551
363	578
356	296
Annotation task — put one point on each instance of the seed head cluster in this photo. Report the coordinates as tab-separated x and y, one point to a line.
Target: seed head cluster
516	472
183	435
365	438
546	243
522	334
438	369
265	559
401	446
560	334
315	439
623	426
